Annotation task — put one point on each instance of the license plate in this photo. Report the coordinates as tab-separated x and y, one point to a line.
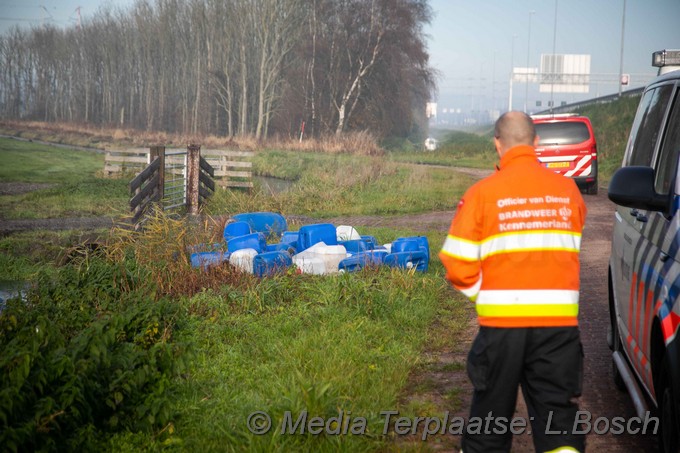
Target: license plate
558	165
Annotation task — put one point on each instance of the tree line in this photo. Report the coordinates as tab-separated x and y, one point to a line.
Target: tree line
227	67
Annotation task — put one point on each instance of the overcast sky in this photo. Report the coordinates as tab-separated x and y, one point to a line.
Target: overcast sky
474	43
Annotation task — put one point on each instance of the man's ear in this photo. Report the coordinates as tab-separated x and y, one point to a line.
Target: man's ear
536	138
497	144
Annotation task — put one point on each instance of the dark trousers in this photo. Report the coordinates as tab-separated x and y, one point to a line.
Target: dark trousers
547	363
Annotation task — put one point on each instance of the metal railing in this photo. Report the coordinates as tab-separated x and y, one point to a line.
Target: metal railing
599	100
175	186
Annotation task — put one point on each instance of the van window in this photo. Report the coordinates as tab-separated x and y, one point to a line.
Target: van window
670	150
562	133
648	125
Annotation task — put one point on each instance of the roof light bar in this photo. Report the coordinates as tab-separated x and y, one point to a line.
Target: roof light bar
666	58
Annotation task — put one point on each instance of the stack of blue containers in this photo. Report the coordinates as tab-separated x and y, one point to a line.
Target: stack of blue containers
406	253
250	232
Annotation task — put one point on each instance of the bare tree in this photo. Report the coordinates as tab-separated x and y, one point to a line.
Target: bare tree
237	67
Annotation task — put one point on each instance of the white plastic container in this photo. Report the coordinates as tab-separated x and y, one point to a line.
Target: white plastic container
347	233
308	262
331	255
243	259
320	259
310	265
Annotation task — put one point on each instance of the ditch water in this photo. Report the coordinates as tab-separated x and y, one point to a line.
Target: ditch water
10	289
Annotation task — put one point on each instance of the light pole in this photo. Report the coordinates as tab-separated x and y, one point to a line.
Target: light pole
623	25
554	66
493	85
512	70
526	88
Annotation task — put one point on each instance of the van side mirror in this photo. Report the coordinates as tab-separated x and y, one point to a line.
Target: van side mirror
633	187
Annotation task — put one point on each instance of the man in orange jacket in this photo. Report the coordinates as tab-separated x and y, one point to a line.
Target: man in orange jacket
513	249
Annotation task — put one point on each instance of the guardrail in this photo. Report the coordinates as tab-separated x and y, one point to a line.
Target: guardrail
599	100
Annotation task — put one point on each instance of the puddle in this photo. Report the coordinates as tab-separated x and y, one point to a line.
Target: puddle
10	289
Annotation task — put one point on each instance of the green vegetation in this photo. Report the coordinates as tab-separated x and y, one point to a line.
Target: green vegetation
87	352
293	343
167	355
327	186
70	186
611	124
456	149
31	162
132	317
23	254
126	347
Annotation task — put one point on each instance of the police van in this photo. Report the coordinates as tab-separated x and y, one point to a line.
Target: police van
644	266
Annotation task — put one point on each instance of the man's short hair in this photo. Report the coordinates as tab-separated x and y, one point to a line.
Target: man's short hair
515	128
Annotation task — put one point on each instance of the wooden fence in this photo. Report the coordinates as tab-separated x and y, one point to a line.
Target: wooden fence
233	169
126	161
148	188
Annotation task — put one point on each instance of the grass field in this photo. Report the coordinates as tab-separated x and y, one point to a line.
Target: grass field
128	348
71	187
284	345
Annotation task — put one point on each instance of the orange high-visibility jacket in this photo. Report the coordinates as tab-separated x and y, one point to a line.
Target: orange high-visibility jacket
513	245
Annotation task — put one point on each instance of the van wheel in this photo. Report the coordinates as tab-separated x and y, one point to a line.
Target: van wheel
592	189
669	438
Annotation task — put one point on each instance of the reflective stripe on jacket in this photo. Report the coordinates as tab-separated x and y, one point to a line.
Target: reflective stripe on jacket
513	245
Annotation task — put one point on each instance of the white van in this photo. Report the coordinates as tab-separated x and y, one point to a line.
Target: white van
644	267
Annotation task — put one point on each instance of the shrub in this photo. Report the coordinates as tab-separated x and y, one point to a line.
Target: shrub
87	351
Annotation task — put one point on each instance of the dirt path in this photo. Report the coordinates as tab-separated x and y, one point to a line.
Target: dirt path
600	397
444	372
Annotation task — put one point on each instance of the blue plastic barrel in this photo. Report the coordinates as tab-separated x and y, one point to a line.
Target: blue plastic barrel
264	222
205	259
355	245
422	242
315	233
255	241
362	259
371	241
410	244
271	263
291	249
289	243
424	246
408	260
290	237
236	229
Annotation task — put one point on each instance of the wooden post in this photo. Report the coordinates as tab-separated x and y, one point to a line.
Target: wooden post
193	170
159	152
